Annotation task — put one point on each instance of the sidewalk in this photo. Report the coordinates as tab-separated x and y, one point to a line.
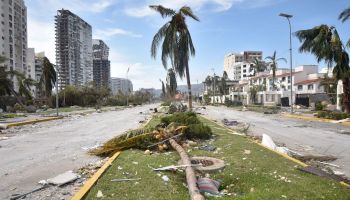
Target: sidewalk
312	118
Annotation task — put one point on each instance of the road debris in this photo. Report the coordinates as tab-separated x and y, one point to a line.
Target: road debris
340	121
247	152
207	148
268	142
319	172
64	178
147	152
227	122
21	196
125	179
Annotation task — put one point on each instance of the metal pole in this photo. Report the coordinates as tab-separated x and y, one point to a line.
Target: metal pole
57	94
127	89
291	66
287	16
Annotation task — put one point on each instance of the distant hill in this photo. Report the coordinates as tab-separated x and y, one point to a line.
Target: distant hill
196	89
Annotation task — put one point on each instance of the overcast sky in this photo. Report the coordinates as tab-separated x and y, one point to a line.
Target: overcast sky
128	26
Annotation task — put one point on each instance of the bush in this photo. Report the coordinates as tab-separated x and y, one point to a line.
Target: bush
166	103
195	129
332	115
320	106
230	103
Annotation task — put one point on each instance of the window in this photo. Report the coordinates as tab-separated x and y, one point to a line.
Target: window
300	87
310	87
283	79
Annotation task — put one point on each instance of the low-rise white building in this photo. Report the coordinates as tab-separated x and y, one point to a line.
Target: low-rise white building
121	85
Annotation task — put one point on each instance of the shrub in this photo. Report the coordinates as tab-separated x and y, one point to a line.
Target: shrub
230	103
166	103
320	106
195	129
332	115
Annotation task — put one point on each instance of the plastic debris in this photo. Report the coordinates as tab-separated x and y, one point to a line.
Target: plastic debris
64	178
207	148
268	142
99	194
165	178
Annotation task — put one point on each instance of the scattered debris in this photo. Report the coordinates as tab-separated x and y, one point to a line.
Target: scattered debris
206	164
64	178
174	168
321	158
135	163
227	122
268	142
4	138
340	121
319	172
344	132
147	152
99	194
207	148
97	145
165	178
330	164
247	152
21	196
207	185
125	179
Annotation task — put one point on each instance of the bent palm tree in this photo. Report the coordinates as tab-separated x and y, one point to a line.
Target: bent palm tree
324	42
171	82
24	84
273	62
177	43
345	15
48	78
258	66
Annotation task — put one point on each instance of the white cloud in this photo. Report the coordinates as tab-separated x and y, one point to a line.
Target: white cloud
108	33
79	6
141	75
217	5
41	36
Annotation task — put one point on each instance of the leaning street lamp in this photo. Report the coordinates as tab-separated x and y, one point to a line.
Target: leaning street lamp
287	16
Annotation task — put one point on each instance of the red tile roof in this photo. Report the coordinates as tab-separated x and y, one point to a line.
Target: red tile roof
308	81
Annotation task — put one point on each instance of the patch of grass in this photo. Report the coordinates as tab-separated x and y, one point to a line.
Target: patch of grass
257	175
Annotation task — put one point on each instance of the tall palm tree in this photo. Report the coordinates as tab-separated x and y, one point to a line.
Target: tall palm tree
223	84
177	43
345	15
6	85
48	78
324	42
273	63
24	84
258	66
163	89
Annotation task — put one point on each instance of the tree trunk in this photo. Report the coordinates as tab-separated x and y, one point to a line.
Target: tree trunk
189	88
346	95
190	175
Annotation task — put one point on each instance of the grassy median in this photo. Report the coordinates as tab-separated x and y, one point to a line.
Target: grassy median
254	174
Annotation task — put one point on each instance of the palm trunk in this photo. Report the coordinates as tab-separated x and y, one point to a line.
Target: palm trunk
190	175
346	95
189	88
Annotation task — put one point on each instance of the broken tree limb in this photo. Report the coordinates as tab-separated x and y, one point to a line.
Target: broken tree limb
190	175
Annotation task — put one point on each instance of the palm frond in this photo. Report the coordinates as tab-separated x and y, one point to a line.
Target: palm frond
164	12
157	38
345	15
187	11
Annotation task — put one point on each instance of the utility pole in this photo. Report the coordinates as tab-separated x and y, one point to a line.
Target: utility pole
214	86
56	91
287	16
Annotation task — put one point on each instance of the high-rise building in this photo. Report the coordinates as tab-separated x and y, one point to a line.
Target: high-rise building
237	65
121	85
101	64
13	35
73	49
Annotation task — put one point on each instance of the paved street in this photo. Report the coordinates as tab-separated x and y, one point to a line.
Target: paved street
44	150
305	137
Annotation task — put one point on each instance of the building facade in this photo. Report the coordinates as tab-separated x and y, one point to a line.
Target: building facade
101	64
237	65
73	49
13	35
121	85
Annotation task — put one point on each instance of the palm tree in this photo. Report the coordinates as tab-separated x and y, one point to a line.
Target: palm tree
24	84
223	86
163	89
345	15
171	82
48	78
324	42
177	43
6	85
273	63
258	66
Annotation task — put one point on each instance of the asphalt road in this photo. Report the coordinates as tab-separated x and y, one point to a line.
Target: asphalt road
44	150
304	137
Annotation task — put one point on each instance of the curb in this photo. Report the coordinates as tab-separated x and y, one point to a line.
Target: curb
91	182
307	118
281	154
31	121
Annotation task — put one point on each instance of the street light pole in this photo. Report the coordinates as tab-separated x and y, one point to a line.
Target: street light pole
287	16
127	89
214	86
56	91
